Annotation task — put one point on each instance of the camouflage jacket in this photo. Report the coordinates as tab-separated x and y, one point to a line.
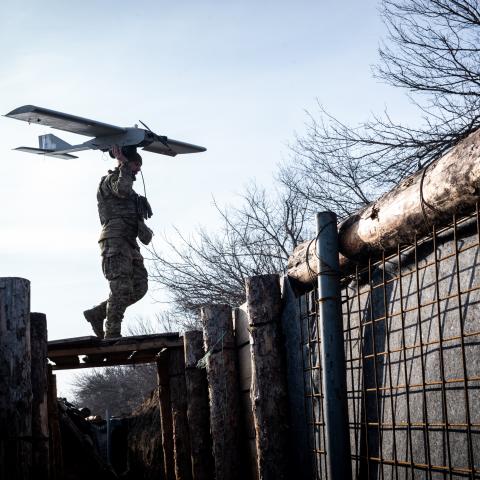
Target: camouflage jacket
117	205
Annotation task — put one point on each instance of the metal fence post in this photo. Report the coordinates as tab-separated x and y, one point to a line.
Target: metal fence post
333	356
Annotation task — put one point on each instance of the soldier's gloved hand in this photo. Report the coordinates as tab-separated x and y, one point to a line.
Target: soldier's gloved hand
118	154
145	234
144	208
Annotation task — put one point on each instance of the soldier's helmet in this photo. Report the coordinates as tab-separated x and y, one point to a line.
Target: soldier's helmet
131	153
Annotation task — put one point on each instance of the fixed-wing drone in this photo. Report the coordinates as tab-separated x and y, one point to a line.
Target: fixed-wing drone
105	135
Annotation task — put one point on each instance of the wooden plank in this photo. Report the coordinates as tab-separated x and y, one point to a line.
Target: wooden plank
105	363
105	348
67	361
75	341
91	340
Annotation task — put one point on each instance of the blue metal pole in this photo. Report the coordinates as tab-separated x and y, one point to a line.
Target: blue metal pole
333	357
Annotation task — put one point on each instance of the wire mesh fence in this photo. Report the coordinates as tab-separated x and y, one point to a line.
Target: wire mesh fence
411	335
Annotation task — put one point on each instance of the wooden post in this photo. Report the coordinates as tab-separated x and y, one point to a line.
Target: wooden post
244	357
55	444
269	391
223	390
198	410
15	381
38	340
166	415
300	451
178	398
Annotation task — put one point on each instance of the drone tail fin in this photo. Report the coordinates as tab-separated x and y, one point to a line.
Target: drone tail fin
52	143
42	151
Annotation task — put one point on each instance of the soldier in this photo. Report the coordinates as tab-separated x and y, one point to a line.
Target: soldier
122	213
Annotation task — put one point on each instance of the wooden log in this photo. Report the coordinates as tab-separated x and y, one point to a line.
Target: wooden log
38	341
166	416
15	380
198	409
244	363
223	390
269	387
299	447
55	443
430	196
178	398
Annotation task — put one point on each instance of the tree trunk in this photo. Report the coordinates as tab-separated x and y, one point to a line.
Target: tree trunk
38	340
269	386
55	444
166	416
178	398
448	186
198	410
15	380
223	390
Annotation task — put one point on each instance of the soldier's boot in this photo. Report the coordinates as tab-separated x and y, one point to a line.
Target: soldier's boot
113	328
95	316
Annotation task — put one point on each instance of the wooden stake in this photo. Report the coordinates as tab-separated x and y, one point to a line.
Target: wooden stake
223	390
55	444
38	340
198	409
166	416
299	447
269	390
15	381
178	398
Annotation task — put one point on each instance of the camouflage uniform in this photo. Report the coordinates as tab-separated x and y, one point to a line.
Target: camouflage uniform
122	263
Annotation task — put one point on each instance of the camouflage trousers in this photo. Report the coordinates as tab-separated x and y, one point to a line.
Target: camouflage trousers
123	267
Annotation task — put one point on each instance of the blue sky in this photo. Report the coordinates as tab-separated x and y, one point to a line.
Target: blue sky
235	77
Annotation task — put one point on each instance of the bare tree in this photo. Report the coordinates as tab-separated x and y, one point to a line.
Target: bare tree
256	238
433	52
118	389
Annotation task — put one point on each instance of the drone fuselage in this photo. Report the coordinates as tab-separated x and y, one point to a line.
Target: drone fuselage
105	135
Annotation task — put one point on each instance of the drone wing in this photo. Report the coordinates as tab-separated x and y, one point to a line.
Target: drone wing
172	147
64	121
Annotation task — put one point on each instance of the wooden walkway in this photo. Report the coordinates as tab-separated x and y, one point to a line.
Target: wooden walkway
88	352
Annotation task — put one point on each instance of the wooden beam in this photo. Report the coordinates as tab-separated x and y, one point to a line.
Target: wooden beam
107	363
71	347
432	195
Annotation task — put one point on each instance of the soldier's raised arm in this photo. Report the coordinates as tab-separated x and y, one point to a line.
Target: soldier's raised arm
122	186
